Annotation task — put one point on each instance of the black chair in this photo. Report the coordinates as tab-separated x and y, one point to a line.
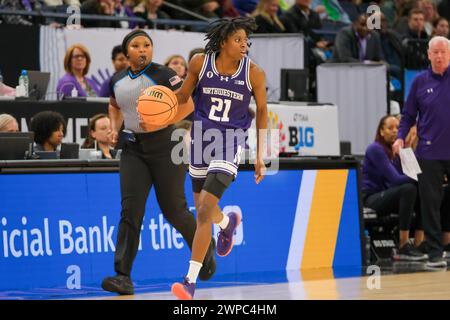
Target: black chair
383	231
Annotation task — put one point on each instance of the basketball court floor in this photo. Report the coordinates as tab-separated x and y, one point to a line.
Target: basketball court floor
393	281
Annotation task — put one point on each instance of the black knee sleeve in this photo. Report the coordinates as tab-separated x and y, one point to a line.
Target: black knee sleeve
216	183
197	185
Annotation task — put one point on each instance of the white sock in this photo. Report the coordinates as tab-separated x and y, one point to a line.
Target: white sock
194	269
224	223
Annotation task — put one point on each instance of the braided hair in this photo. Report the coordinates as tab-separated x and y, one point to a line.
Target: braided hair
221	29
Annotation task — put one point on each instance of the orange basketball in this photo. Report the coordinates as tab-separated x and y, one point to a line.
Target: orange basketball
157	105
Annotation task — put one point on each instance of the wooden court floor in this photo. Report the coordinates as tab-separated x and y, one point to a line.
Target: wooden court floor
434	285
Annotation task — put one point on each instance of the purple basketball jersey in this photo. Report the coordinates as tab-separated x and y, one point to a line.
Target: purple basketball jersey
222	102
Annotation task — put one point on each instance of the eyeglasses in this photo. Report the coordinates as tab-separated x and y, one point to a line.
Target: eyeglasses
79	56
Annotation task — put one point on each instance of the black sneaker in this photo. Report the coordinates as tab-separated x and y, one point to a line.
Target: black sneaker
119	283
409	253
436	262
423	247
209	266
446	251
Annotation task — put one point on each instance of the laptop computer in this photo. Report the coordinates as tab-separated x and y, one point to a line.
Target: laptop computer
38	84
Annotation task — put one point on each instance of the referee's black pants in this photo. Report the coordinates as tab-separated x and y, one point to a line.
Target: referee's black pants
431	195
143	164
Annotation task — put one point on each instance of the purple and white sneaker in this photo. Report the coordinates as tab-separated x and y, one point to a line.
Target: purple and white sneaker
225	240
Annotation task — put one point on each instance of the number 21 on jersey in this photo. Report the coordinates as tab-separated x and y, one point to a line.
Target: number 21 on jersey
217	108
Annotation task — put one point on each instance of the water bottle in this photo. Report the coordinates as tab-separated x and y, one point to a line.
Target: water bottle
74	93
367	244
24	83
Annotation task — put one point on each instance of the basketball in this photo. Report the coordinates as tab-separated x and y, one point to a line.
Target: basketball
157	105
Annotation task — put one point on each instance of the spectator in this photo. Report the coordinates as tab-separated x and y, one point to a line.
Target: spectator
209	9
206	8
99	7
441	28
300	18
125	10
403	8
178	64
30	5
392	48
7	90
416	26
151	10
49	130
100	136
8	123
54	3
356	43
266	17
415	42
76	64
444	9
194	51
245	7
330	9
120	62
388	9
430	14
227	9
386	189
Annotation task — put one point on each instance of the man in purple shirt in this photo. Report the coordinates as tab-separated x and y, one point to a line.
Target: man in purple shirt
428	104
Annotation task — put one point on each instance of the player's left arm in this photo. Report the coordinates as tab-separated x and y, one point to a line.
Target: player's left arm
258	82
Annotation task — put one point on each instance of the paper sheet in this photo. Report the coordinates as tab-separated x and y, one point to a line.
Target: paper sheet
410	166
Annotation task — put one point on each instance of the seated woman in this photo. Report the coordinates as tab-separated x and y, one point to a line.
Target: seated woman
266	17
49	129
441	27
8	123
76	64
100	136
386	189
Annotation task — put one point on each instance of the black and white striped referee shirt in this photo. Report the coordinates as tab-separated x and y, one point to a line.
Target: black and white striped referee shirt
126	88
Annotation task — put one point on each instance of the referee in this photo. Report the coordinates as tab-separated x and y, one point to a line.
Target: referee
428	102
146	161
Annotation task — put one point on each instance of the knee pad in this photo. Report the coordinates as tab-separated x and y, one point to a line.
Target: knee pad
216	183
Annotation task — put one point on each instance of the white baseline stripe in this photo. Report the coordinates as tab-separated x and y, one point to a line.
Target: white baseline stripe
301	220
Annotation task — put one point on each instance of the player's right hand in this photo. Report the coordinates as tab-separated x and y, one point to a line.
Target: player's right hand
260	170
398	144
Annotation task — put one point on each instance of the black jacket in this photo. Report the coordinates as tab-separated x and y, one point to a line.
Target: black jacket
346	46
295	21
266	26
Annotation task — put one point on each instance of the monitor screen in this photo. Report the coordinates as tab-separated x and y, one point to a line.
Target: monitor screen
294	85
38	84
16	145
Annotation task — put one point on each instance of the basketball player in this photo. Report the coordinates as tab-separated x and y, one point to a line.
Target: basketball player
225	79
146	160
